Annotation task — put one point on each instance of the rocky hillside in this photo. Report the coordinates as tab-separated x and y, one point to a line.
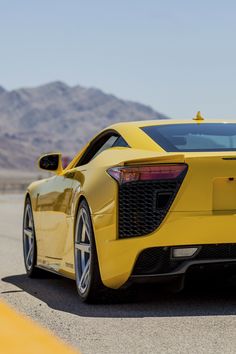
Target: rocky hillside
56	116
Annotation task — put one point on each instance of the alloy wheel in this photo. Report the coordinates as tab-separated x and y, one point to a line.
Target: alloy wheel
83	251
28	237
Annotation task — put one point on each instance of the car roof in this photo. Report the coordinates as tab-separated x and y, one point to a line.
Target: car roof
145	123
137	139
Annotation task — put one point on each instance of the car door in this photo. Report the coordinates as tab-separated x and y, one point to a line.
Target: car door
53	205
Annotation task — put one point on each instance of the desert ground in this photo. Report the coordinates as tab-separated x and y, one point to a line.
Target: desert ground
201	319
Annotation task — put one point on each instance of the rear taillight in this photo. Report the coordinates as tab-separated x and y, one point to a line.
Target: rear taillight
146	173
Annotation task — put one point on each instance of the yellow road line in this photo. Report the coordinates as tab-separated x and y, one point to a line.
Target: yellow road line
19	335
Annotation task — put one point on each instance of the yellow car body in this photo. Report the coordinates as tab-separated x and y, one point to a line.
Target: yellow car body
203	211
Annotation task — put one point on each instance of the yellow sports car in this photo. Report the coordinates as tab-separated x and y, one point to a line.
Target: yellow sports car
143	201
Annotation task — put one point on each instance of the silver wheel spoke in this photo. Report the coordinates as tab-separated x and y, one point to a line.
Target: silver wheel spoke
84	276
83	234
29	256
85	220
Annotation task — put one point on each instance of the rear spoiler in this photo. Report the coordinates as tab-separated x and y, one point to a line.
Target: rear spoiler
160	158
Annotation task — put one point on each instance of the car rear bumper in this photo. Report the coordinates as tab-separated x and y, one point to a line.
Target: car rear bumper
161	260
158	264
219	264
118	257
200	271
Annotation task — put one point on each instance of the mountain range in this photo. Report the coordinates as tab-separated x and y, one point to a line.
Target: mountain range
58	117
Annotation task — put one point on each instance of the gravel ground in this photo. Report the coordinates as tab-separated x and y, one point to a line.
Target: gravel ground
199	320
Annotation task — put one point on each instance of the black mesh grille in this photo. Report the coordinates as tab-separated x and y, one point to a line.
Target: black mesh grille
227	250
157	260
139	211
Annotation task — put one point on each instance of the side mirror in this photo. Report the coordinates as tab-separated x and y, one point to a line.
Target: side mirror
51	162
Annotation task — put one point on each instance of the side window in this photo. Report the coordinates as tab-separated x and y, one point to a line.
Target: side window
120	142
105	141
109	143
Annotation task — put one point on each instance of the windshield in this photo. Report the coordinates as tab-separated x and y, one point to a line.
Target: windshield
194	137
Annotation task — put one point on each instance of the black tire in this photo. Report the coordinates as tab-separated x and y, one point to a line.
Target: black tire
94	291
30	241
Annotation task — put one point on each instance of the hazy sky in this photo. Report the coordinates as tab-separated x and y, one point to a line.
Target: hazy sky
177	56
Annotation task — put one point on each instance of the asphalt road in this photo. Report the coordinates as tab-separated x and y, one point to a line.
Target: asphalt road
199	320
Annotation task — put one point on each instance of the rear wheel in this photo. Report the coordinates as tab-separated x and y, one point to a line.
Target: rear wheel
29	242
88	280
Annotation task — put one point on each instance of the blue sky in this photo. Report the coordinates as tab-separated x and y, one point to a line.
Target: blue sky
175	55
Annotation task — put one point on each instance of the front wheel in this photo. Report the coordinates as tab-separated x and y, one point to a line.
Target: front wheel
87	274
29	242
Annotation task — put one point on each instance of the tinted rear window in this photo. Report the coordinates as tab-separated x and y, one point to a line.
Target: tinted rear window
194	137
